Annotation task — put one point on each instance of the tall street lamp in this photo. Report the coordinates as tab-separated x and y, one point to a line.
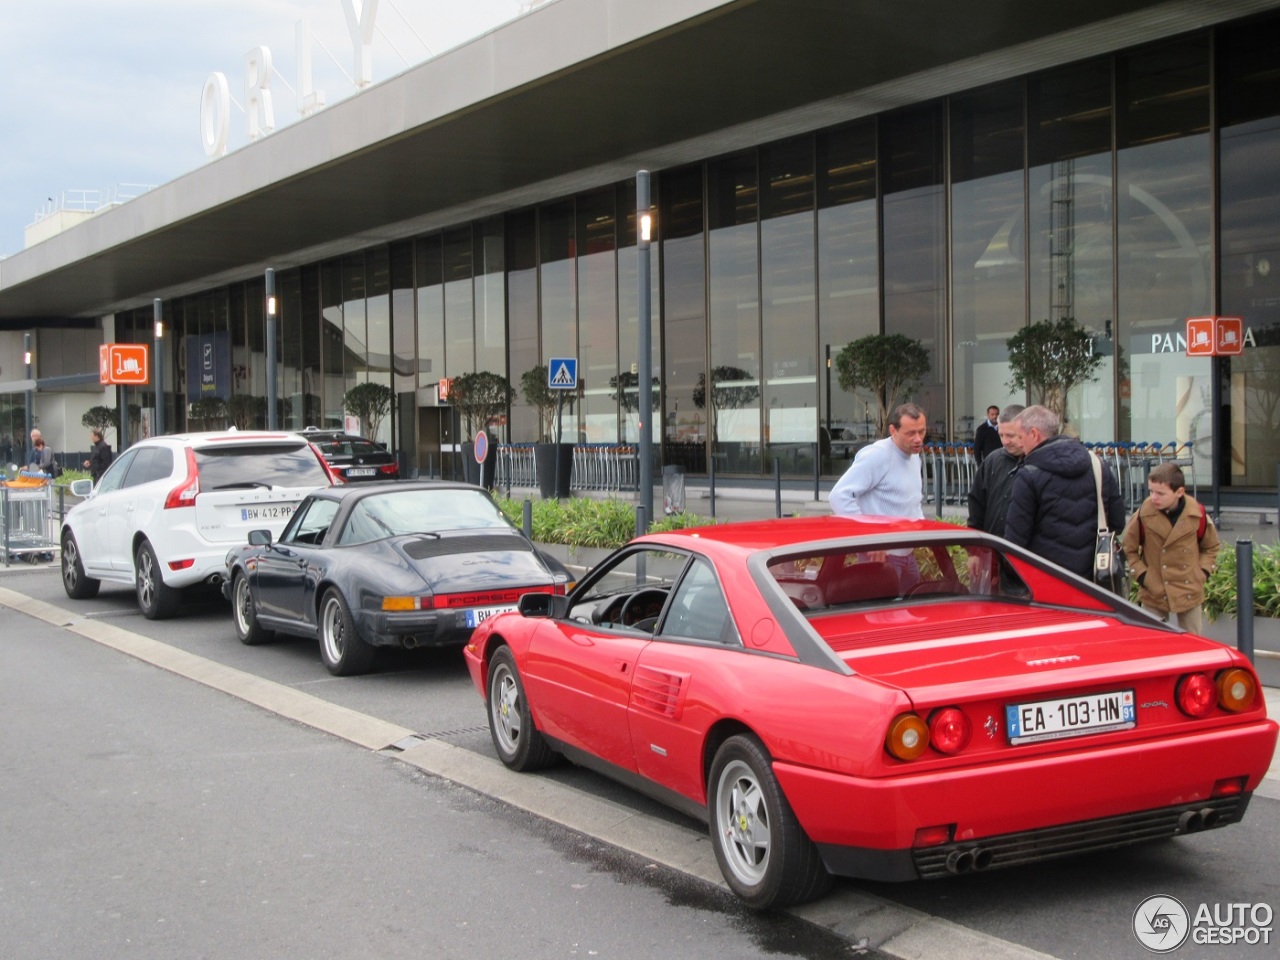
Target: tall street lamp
157	312
271	349
644	233
26	359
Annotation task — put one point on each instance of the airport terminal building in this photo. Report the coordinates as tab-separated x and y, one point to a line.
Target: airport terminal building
822	170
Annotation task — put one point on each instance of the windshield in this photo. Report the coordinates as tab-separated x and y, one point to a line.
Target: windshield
270	465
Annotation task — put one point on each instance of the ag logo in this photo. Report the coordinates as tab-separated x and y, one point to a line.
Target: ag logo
1161	924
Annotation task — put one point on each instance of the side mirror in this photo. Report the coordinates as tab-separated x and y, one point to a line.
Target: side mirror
260	538
81	488
549	605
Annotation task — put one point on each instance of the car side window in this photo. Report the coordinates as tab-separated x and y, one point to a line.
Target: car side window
151	463
113	479
698	610
312	525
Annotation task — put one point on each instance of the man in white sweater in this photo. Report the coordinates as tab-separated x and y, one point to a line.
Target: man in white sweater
884	478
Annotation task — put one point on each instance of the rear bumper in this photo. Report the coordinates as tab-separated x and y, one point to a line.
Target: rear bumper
1030	809
415	628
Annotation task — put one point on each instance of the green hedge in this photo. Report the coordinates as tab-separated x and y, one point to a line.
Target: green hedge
588	522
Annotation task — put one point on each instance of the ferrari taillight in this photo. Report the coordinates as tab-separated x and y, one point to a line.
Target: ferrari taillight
908	737
1236	689
949	730
1197	695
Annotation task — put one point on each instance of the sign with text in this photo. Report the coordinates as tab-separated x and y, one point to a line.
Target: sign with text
125	364
1215	336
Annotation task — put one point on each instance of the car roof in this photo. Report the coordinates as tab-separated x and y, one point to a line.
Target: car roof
212	437
356	491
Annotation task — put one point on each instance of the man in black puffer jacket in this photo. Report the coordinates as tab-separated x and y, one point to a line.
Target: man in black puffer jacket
1053	510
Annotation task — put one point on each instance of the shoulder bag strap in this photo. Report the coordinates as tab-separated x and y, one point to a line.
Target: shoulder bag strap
1097	484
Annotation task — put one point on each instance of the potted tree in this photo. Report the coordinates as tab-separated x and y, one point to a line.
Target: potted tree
889	366
552	459
370	402
1049	359
246	410
207	413
478	397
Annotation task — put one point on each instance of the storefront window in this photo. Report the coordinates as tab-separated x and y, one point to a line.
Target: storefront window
490	292
788	310
988	248
848	278
728	398
684	348
522	318
1163	204
459	304
914	218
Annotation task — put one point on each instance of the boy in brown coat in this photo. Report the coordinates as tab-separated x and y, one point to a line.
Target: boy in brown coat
1172	547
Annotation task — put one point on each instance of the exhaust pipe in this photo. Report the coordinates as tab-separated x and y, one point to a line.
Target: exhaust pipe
959	862
1191	821
1208	818
982	858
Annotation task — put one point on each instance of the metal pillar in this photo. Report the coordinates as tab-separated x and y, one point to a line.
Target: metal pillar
644	224
271	349
157	312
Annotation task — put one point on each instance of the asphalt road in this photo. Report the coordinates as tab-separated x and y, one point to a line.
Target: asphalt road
1078	908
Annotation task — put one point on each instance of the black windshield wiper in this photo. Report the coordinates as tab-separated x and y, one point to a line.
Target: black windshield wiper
242	485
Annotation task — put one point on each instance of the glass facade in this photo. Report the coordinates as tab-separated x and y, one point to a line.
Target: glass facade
1127	192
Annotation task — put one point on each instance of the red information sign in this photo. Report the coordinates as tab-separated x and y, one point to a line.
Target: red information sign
1215	336
124	363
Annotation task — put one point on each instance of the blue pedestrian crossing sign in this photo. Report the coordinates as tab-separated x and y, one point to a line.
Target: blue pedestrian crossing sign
562	373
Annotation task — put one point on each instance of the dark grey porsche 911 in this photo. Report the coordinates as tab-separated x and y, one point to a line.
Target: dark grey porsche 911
404	564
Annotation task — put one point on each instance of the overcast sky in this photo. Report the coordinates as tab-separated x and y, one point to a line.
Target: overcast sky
100	95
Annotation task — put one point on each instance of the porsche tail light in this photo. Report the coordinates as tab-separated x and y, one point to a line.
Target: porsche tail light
908	737
185	493
949	730
1236	689
1197	695
406	603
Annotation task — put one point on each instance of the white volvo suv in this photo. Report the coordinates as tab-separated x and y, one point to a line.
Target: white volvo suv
165	513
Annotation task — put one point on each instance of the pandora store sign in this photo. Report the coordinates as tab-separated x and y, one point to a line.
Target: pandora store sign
259	113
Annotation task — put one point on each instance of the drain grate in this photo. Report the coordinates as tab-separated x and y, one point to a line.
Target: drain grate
415	739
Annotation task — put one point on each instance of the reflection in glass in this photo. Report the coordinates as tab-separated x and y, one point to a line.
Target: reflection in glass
684	317
730	403
459	304
598	315
522	317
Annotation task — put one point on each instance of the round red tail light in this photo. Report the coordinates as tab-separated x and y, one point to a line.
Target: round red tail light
949	730
1197	695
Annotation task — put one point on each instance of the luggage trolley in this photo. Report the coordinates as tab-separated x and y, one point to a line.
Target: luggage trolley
29	529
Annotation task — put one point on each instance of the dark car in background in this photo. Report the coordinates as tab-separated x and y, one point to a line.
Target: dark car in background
353	458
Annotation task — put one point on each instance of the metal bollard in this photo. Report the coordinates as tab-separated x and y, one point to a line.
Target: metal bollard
817	470
712	484
1244	597
642	519
526	516
777	487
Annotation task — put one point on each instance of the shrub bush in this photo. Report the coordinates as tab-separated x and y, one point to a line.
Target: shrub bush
588	522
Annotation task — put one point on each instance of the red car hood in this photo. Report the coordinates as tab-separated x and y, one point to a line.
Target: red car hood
953	651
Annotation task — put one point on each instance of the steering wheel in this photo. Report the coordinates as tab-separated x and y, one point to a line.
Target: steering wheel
644	604
610	612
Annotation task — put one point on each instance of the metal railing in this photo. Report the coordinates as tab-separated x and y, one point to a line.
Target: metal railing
600	467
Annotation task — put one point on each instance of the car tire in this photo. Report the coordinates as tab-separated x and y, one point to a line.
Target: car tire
77	585
245	613
518	741
156	600
342	649
764	854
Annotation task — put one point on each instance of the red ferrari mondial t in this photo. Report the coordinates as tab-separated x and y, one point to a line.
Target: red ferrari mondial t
875	698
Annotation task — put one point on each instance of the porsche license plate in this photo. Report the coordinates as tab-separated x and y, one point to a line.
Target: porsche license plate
480	614
272	511
1070	716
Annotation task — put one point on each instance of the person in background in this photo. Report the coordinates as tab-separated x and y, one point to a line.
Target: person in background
993	483
987	439
1053	506
41	455
100	455
885	478
1172	547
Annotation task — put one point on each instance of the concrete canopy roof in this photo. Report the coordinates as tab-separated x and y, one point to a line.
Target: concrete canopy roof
576	94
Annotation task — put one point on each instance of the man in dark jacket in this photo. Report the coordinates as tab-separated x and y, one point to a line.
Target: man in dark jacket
100	455
1053	508
987	439
993	483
